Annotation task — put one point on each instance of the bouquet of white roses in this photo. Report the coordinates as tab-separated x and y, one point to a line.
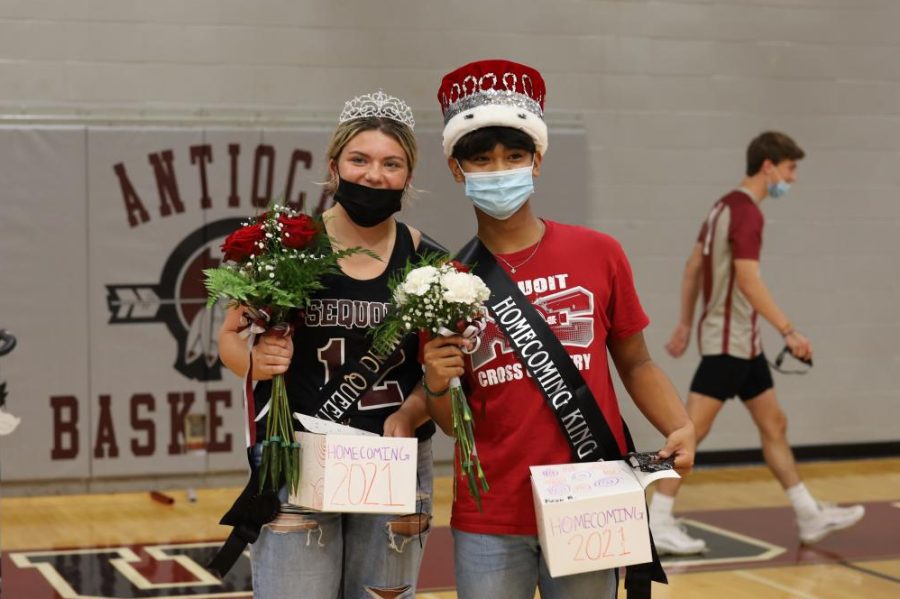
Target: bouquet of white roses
442	297
272	266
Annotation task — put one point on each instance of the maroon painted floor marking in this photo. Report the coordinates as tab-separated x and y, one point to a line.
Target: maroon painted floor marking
26	574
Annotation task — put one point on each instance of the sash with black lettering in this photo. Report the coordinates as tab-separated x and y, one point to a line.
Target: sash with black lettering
252	510
559	381
557	377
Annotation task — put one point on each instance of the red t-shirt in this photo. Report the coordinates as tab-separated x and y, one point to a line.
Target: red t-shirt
580	281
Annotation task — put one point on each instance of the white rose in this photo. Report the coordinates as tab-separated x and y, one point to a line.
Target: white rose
484	292
464	288
419	280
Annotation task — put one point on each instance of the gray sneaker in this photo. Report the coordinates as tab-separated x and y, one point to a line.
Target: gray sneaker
828	519
671	538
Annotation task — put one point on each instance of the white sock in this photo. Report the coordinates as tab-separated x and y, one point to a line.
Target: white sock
661	507
804	504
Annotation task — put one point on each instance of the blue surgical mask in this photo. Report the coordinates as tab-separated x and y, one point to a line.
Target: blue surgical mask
779	188
500	193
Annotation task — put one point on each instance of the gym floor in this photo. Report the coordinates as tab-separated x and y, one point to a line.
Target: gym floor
129	545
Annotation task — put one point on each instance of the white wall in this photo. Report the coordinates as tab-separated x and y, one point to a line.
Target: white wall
670	93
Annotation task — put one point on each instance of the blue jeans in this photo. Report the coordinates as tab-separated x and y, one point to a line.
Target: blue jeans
511	567
316	555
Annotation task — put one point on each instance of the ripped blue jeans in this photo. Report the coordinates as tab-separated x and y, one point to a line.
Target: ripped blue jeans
315	555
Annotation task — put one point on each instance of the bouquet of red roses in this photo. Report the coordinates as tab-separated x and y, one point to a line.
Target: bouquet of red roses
272	266
440	296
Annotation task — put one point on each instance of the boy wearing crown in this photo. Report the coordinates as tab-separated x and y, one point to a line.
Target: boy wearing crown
495	140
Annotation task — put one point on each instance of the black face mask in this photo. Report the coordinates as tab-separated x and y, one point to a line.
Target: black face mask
367	206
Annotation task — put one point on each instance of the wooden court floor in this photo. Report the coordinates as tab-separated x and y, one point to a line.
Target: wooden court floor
54	545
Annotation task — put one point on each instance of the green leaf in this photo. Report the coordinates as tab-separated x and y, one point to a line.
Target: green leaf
228	283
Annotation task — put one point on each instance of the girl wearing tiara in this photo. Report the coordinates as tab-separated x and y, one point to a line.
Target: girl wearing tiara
318	555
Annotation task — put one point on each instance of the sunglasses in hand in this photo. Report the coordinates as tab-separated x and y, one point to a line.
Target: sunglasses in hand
782	355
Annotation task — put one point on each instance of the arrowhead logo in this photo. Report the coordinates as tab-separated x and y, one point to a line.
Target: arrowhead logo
178	300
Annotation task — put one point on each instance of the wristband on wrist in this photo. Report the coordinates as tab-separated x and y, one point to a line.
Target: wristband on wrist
788	332
430	393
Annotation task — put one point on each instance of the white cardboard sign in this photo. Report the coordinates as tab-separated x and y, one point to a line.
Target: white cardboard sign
357	473
592	516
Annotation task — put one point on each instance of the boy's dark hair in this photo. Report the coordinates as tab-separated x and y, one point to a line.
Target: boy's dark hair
483	140
773	146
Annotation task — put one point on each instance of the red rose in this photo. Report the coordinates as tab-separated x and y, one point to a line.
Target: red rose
242	243
459	266
297	232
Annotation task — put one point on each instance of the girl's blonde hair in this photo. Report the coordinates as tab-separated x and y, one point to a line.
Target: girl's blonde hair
350	129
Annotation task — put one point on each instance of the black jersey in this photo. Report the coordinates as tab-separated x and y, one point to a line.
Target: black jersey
336	326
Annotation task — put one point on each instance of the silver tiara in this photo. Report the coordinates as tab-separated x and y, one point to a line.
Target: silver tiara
380	105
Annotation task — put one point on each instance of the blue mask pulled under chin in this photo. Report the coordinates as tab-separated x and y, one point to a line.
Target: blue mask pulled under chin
500	193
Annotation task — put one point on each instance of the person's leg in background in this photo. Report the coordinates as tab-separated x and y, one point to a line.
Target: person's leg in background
668	534
815	520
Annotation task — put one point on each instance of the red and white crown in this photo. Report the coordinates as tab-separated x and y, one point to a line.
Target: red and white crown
491	93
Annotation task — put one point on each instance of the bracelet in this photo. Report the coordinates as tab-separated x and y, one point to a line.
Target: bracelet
788	333
430	393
